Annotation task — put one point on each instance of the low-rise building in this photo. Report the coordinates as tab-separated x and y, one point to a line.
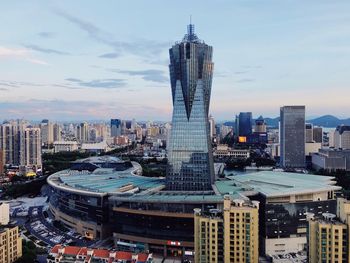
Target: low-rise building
231	235
222	150
312	147
342	137
10	244
331	159
65	146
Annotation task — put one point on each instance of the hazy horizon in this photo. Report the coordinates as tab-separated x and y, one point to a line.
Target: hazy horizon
61	61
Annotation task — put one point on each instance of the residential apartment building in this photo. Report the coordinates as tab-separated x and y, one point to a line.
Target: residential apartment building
328	236
230	235
32	150
327	240
10	244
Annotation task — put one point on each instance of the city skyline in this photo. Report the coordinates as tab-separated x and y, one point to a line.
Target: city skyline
69	63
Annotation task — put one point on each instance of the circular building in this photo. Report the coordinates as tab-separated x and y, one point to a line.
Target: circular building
102	197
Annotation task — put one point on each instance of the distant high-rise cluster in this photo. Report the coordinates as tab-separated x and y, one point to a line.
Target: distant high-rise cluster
20	144
190	159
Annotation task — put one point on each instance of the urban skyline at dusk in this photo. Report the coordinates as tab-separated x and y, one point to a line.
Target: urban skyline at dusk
69	63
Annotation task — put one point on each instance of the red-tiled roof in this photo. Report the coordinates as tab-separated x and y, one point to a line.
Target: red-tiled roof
101	253
142	257
83	251
70	250
55	249
123	255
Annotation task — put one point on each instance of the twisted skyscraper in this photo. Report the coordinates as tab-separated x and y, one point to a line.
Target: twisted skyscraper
190	159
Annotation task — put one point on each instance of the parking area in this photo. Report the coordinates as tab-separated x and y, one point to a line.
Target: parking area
40	226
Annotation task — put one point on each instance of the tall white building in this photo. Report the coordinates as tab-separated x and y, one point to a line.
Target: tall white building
47	132
83	132
32	147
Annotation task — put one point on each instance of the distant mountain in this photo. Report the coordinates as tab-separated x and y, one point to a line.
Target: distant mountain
329	121
272	122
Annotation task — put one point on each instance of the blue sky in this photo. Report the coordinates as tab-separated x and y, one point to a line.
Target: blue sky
69	60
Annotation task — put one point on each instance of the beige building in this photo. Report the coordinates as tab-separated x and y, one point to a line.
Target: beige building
327	240
222	150
230	235
32	148
329	237
4	213
10	245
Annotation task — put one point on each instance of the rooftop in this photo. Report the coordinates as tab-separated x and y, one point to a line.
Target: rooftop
273	184
127	185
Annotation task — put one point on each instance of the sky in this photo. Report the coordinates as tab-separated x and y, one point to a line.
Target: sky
85	60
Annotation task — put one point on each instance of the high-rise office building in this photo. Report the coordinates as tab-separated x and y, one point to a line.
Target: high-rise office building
190	157
317	134
32	137
244	124
309	132
231	235
116	127
10	244
292	136
260	125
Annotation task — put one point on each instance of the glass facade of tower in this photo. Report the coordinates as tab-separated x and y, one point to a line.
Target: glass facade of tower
292	136
190	159
116	127
245	120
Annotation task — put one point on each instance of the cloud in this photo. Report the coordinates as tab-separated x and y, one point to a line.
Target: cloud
141	47
245	80
17	84
8	84
46	34
13	52
46	50
68	110
109	55
3	89
99	83
241	72
154	75
20	53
